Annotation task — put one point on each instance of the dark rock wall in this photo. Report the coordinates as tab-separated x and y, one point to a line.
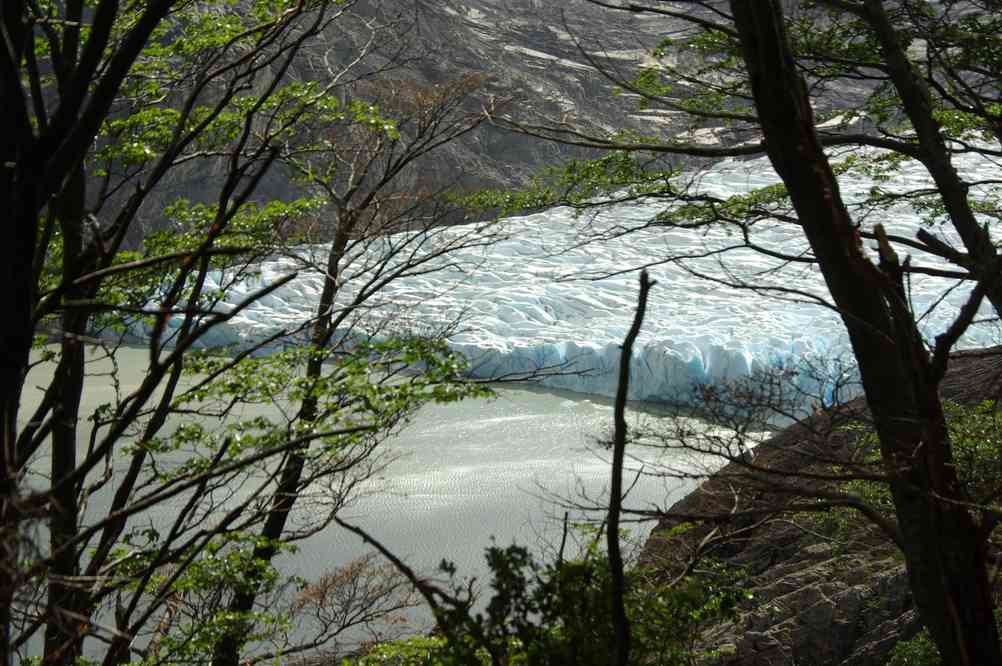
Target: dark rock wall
818	602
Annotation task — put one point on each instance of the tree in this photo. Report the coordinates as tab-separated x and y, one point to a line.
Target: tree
147	526
378	233
914	80
942	541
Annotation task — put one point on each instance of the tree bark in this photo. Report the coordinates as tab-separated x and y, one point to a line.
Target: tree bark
63	638
944	549
16	255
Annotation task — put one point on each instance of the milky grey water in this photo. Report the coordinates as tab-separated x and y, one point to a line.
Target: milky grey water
486	468
463	474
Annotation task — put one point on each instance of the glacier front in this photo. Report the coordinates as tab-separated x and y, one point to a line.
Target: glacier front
558	289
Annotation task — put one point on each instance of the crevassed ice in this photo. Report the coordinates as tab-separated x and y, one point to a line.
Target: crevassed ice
543	297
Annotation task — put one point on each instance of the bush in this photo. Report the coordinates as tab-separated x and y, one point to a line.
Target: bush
918	651
549	615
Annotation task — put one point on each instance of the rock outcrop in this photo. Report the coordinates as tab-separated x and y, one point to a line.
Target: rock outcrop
816	600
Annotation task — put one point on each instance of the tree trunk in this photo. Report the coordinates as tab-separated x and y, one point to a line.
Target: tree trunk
918	105
943	549
16	254
19	202
63	636
227	652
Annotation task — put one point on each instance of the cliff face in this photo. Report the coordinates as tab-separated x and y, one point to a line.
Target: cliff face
823	601
540	56
526	51
827	604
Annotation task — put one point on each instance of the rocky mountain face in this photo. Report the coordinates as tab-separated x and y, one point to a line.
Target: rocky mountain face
531	55
542	58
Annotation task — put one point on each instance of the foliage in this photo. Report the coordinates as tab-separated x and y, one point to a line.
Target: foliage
917	651
579	183
558	613
920	650
413	651
974	431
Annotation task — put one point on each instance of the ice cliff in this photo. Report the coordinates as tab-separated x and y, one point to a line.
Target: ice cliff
559	289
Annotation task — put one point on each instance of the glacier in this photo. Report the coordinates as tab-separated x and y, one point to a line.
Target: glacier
558	288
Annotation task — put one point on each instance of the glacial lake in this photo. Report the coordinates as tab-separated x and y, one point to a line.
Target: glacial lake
464	475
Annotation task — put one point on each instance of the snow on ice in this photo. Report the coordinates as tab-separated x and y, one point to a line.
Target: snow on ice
542	297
